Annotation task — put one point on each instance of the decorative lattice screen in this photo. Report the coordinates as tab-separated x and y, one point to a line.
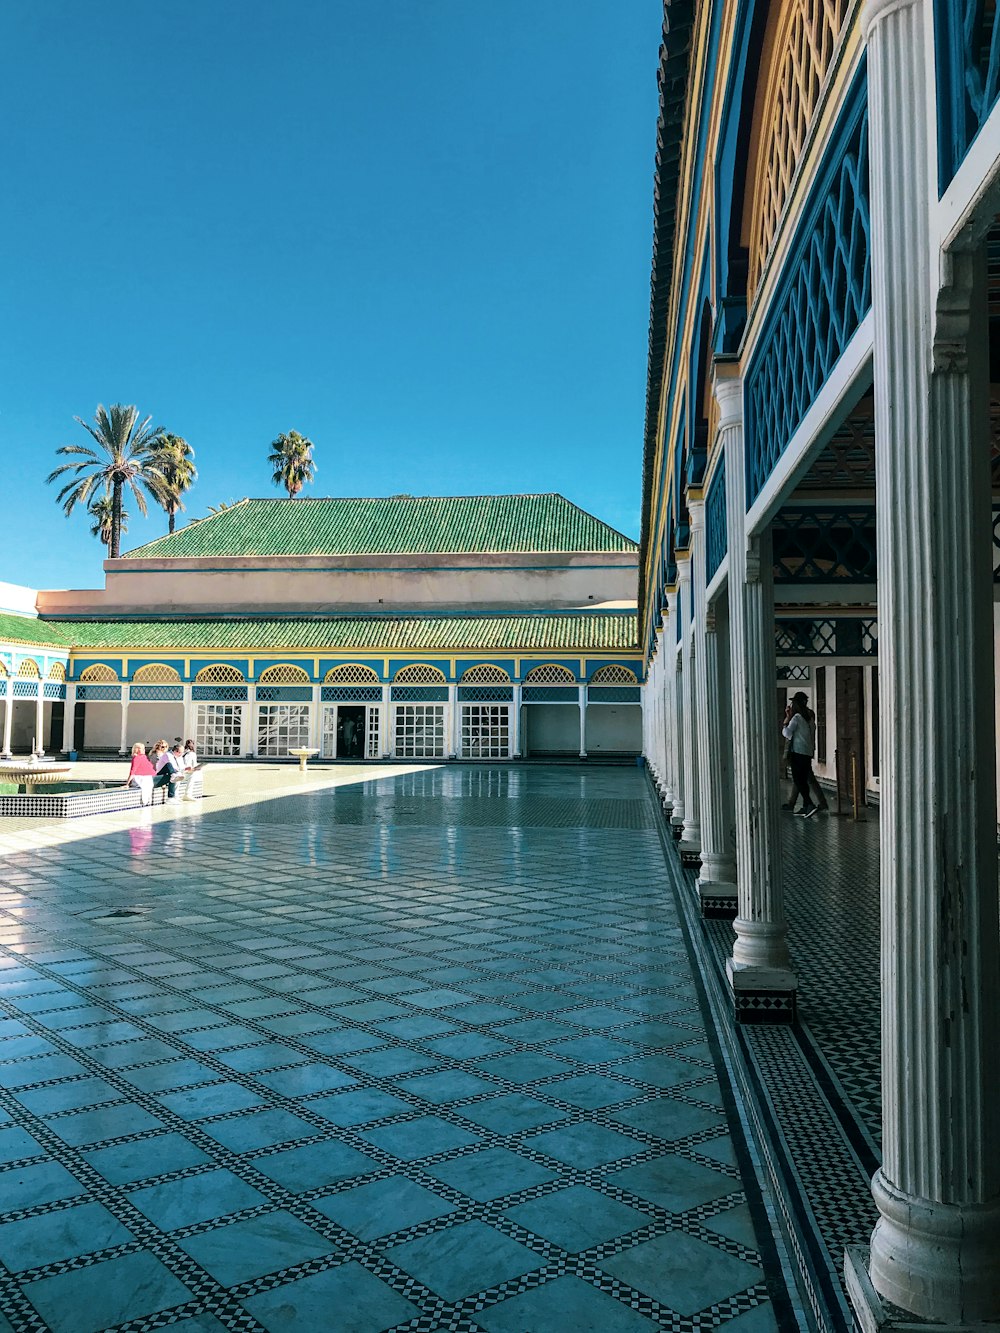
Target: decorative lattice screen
57	671
220	673
156	673
284	674
98	674
550	674
351	673
485	674
614	675
419	674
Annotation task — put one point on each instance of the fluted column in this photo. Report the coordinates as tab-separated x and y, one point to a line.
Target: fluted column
672	800
935	1251
690	843
717	876
759	970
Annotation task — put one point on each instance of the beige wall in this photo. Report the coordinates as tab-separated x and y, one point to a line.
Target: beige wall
337	583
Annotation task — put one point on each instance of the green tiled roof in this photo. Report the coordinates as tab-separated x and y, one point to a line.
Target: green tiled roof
27	629
569	631
405	525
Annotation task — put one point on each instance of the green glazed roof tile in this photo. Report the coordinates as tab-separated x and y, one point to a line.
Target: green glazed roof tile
404	525
587	631
28	629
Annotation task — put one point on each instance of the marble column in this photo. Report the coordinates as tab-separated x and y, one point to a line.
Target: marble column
515	724
249	746
668	682
8	715
583	720
690	843
69	715
453	724
759	971
40	716
717	876
316	719
386	739
123	741
187	703
935	1251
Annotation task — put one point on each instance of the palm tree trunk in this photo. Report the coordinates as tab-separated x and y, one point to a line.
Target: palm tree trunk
116	518
171	516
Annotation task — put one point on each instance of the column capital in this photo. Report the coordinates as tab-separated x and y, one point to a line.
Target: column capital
728	390
877	10
696	511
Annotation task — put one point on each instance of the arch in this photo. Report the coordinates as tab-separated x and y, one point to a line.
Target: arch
57	671
550	673
614	675
485	674
29	669
800	43
100	674
283	673
419	673
220	673
351	673
156	673
4	673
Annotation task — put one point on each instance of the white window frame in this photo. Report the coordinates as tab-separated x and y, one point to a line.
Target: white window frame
219	730
281	728
419	731
485	731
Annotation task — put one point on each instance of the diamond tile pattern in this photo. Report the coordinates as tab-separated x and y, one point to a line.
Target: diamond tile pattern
424	1053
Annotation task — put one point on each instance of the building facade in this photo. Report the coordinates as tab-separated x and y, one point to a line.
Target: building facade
479	628
820	498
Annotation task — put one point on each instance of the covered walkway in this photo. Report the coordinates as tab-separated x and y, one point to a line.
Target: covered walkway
422	1052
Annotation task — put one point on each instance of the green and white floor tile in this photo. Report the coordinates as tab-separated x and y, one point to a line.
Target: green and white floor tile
420	1052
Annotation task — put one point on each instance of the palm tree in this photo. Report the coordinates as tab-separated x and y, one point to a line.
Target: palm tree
175	459
292	461
101	510
125	458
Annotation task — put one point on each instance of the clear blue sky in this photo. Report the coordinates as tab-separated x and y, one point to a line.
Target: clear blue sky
418	231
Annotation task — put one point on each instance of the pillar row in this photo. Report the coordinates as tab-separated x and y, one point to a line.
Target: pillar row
690	843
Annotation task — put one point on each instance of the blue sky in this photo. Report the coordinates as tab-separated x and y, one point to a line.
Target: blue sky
418	231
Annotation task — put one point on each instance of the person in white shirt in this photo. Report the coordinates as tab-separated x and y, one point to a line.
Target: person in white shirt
800	734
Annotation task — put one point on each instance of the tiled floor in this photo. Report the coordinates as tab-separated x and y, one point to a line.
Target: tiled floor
423	1052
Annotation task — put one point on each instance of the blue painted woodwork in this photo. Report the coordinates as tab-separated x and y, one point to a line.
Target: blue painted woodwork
716	531
842	636
550	694
967	50
828	544
285	694
54	689
220	694
822	296
149	693
613	694
351	694
421	694
90	693
499	694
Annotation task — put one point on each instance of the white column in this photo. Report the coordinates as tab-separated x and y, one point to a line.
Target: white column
8	715
759	970
717	876
935	1251
316	719
690	844
69	713
668	683
515	724
583	721
123	742
250	722
386	720
675	668
189	712
452	720
40	715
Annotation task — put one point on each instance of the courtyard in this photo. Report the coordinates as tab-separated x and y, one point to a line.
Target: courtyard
415	1049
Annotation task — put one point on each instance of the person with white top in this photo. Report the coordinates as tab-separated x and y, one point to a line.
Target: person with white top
800	734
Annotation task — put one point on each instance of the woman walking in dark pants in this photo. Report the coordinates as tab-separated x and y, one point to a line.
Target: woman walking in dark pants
800	734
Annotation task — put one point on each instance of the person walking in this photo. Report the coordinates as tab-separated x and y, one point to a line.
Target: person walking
800	733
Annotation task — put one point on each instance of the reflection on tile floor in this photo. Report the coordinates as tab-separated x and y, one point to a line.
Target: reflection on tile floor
421	1053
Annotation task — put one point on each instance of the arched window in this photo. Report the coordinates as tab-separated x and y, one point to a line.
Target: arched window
614	675
156	673
99	674
284	674
351	673
220	673
419	674
550	674
57	671
804	40
4	673
485	674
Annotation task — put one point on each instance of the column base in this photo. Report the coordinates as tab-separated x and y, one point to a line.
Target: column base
690	854
719	900
875	1315
762	994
